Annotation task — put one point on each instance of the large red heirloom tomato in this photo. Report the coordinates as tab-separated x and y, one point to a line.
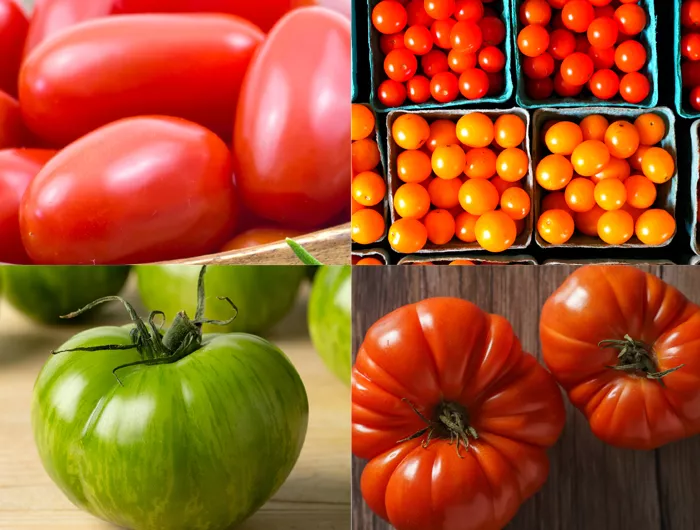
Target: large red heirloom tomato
626	348
454	417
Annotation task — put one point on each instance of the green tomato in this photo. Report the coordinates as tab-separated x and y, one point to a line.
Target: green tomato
197	432
46	293
330	318
263	295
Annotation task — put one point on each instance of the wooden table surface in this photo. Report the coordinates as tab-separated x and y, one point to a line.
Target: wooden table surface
591	486
315	497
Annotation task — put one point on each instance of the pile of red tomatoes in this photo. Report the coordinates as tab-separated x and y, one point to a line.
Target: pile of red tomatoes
439	50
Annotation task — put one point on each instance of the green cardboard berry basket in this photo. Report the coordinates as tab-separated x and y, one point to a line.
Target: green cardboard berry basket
446	259
692	223
683	107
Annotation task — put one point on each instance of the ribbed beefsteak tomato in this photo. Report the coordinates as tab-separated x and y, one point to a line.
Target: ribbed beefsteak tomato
626	347
135	191
182	431
190	66
455	418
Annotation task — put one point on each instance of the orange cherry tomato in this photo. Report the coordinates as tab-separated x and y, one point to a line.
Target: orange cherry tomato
610	194
478	196
563	137
411	200
389	16
617	168
555	200
391	93
658	165
594	127
495	231
533	40
579	195
474	83
365	155
444	193
369	262
587	222
442	132
631	19
509	131
634	87
651	128
440	226
554	172
413	166
502	185
368	188
630	56
641	192
615	227
418	89
577	15
622	139
655	227
475	130
590	157
464	227
463	262
512	164
602	32
556	226
480	163
410	131
407	236
367	226
515	202
448	161
636	159
362	122
355	206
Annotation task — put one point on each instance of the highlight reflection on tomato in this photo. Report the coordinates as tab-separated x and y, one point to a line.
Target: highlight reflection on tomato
445	413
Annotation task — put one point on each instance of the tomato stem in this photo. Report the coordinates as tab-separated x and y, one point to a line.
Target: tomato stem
451	421
636	356
183	337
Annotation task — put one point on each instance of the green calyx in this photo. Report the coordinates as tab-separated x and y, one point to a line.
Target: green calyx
636	357
302	253
183	337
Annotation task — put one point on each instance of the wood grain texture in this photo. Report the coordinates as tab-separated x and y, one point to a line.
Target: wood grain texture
316	495
331	247
591	486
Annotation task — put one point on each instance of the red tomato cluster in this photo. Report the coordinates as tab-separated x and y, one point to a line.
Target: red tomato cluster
368	183
690	50
439	50
460	181
569	45
602	180
149	115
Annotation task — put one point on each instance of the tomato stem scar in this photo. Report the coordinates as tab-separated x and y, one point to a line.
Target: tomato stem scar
636	356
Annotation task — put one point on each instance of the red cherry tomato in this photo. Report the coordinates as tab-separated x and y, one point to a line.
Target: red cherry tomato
493	30
535	12
12	132
459	61
695	98
497	83
630	56
391	93
690	14
562	43
690	46
492	59
434	62
631	19
539	89
577	69
278	161
391	42
400	65
417	16
389	16
444	87
538	67
634	87
469	10
466	36
578	15
604	84
565	89
17	169
603	58
439	9
418	40
533	40
441	30
602	33
418	89
110	76
186	203
473	83
13	32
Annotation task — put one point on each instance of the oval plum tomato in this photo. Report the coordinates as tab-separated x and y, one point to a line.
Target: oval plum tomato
391	93
577	68
259	236
418	89
186	359
440	226
631	19
12	132
367	226
278	161
63	104
578	15
389	16
556	226
493	30
396	410
444	87
616	227
17	169
533	40
13	32
418	40
473	83
602	32
600	345
407	236
186	202
655	227
604	84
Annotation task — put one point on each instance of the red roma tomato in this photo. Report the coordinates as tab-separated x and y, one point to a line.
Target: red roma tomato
502	412
623	344
110	77
53	16
12	133
137	190
13	31
281	161
17	168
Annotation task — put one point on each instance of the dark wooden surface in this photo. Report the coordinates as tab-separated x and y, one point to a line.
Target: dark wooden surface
591	486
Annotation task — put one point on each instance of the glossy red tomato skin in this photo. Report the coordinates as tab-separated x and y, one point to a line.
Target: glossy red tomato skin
13	32
12	131
280	164
432	488
17	168
344	7
105	75
606	302
137	190
52	16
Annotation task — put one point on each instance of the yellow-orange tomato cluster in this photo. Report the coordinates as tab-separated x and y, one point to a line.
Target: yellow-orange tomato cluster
602	179
460	180
368	185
